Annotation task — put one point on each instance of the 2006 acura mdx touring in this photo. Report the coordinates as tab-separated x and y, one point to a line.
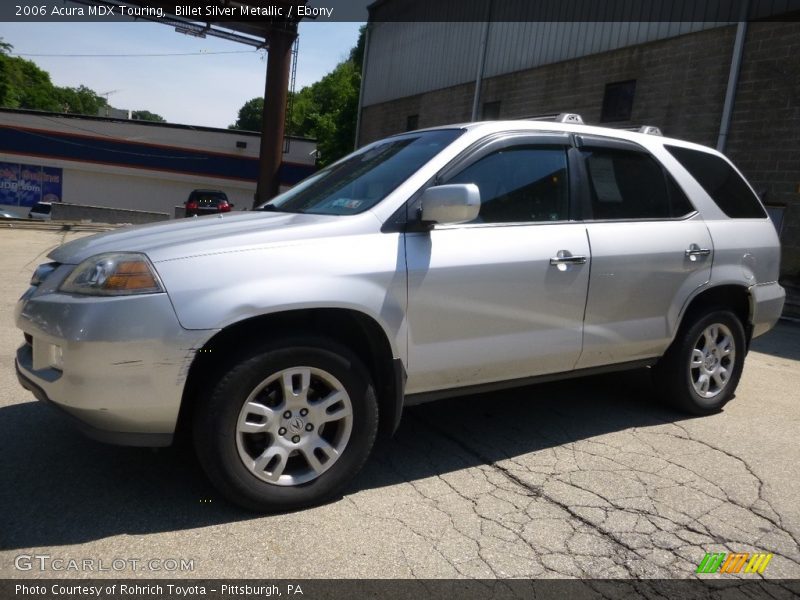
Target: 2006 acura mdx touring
433	263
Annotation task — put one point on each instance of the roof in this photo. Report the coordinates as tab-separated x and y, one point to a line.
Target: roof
533	125
236	132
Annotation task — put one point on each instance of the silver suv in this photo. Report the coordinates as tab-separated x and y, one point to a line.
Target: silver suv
430	264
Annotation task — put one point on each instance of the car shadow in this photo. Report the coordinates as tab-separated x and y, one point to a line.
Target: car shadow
454	434
783	341
60	488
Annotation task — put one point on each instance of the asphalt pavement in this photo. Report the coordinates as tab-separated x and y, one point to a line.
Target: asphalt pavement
586	478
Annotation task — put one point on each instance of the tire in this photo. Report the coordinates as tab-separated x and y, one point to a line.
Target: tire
701	369
288	425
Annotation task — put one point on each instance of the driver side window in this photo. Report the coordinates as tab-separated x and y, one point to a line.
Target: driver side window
521	184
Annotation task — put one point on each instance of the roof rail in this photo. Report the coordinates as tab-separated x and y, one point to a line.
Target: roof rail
559	118
648	129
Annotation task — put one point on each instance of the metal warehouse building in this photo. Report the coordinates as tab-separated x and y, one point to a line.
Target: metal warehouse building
117	163
730	85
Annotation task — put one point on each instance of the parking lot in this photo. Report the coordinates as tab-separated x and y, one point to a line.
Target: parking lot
585	478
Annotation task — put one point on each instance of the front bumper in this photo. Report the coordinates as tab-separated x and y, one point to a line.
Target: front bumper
120	438
121	364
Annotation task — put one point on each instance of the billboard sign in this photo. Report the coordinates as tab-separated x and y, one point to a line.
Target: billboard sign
25	185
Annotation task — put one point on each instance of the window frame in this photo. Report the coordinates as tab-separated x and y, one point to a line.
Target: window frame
611	96
406	217
589	142
493	106
505	141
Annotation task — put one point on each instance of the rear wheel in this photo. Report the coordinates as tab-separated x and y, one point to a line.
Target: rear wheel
288	426
700	371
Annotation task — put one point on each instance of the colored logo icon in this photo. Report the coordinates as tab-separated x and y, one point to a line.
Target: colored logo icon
723	562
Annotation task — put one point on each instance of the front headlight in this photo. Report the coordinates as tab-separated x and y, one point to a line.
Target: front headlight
113	274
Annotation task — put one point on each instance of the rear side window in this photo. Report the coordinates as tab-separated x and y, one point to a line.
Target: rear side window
632	185
720	181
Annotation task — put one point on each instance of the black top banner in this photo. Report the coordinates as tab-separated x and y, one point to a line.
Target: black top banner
261	11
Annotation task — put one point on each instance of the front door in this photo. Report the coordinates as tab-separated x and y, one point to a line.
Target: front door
502	297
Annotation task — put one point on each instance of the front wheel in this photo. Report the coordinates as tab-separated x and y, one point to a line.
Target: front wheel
288	426
700	371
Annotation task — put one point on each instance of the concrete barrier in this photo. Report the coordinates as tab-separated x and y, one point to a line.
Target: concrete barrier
102	214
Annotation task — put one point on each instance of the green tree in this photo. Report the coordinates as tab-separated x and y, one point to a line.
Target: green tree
5	48
25	85
28	86
357	53
146	115
250	115
80	100
326	110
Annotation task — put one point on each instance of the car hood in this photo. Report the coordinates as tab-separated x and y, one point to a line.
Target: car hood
230	232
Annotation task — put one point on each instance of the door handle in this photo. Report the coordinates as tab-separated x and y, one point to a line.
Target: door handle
694	251
565	258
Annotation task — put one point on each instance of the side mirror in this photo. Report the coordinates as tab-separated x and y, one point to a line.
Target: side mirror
231	204
456	203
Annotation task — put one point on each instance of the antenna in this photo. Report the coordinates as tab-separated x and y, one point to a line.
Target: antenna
105	95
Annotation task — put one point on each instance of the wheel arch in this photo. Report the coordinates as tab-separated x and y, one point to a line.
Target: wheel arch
359	332
733	296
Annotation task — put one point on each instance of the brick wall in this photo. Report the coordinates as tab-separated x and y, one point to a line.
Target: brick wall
680	87
765	131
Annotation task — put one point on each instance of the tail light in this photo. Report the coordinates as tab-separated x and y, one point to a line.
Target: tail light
191	206
224	207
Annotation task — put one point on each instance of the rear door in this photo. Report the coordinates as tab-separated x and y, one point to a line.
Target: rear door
502	297
650	250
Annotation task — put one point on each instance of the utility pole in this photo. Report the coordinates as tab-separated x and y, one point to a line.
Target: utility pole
281	36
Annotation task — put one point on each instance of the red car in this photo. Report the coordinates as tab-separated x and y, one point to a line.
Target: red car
207	202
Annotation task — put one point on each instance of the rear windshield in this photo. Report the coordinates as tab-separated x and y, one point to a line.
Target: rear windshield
207	197
361	180
720	181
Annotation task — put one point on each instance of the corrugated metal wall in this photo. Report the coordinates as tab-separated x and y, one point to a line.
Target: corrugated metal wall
411	58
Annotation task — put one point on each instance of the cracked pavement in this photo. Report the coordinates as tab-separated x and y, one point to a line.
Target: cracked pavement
587	478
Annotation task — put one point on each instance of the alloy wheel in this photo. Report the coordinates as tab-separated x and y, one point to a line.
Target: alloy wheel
712	359
294	426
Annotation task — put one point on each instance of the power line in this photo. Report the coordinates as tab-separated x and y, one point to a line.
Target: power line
27	55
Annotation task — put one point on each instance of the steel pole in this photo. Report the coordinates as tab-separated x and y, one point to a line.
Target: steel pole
281	38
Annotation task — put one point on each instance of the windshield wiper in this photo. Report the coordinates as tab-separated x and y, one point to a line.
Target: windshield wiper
274	208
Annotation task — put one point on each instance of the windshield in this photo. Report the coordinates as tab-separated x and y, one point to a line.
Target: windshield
361	180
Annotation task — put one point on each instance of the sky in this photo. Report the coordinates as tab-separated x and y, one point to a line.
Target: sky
202	89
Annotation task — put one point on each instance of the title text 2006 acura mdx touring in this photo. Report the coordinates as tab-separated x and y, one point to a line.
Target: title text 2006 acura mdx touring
429	264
